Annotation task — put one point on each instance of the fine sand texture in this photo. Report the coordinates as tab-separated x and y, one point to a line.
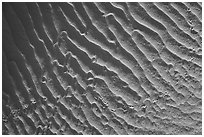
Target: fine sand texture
102	68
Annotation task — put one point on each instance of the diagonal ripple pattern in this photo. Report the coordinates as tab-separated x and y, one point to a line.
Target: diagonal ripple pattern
102	68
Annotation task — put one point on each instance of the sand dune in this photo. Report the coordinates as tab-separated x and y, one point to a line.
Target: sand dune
102	68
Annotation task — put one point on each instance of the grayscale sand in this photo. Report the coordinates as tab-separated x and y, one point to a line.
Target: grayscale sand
102	68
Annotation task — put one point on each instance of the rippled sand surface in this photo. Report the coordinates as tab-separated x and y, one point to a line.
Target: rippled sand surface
102	68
